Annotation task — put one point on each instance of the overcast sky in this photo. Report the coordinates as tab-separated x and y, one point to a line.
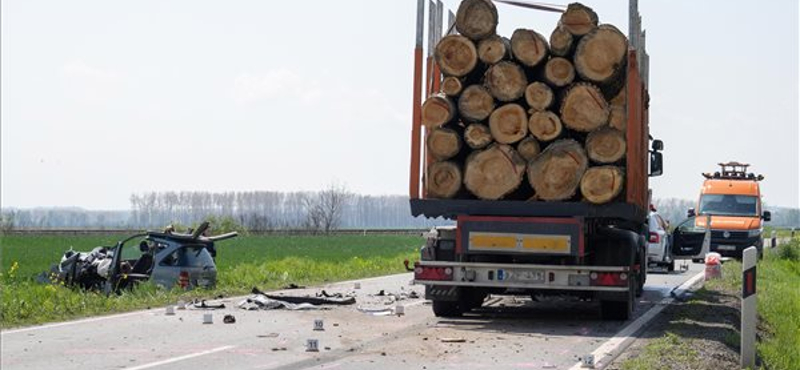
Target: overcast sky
101	99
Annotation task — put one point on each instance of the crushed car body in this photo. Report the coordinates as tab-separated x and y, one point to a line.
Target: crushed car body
165	258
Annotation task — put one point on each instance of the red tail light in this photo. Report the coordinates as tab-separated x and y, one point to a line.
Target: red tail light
654	238
609	278
432	273
183	279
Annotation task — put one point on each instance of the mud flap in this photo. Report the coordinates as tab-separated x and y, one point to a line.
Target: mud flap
442	293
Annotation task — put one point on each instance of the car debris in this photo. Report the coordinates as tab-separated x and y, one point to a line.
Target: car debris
229	319
166	258
205	306
452	340
263	301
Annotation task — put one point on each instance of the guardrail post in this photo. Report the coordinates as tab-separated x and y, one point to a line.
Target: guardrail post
749	301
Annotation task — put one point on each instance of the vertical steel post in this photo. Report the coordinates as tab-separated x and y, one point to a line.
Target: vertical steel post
416	121
749	306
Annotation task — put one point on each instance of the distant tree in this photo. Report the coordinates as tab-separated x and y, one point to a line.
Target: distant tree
324	209
7	221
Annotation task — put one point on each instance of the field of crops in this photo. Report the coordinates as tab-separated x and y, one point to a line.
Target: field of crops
263	261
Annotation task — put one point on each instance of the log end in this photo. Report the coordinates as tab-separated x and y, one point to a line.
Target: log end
494	172
545	126
475	103
584	108
456	55
477	136
601	185
539	96
443	143
437	110
556	173
444	180
509	123
476	19
529	47
506	81
579	19
606	145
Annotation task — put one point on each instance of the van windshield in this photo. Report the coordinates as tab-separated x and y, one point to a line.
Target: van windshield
728	205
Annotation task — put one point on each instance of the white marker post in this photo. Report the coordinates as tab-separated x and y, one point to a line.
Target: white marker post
749	301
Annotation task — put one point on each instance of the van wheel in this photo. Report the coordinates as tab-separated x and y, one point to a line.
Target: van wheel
671	265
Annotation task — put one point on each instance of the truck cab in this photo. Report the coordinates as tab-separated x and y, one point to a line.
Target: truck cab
730	204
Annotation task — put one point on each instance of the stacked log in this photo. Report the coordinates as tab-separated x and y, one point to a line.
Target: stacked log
527	117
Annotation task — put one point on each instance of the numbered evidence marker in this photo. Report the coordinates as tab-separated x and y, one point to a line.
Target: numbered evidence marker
319	325
312	345
208	318
587	361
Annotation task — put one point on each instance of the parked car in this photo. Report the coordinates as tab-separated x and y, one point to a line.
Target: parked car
166	258
659	243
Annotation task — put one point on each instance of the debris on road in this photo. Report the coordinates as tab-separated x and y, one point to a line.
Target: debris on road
202	305
319	300
229	319
293	286
376	311
452	340
270	335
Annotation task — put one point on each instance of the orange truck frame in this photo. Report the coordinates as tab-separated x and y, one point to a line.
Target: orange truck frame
539	248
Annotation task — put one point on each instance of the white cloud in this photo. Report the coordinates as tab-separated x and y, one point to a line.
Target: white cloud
277	83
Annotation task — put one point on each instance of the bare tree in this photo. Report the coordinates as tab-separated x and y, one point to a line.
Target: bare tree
324	209
7	221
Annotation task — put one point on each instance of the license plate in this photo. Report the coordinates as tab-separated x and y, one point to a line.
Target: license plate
726	247
527	276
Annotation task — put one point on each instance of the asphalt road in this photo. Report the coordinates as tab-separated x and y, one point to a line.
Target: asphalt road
507	333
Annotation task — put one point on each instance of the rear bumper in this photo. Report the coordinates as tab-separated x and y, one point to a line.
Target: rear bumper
734	247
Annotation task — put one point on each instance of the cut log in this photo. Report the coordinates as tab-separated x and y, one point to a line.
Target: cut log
456	55
452	86
561	42
578	19
477	136
545	125
606	145
509	123
559	72
556	173
443	143
529	47
476	19
494	49
539	96
618	118
437	110
506	81
529	148
600	56
494	172
584	108
444	180
601	185
475	103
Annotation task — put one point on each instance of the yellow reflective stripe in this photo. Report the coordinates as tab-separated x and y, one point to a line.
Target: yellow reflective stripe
493	241
557	244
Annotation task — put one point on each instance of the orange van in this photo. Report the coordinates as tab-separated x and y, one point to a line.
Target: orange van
731	199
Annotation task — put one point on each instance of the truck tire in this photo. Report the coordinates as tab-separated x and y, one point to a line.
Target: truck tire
446	309
641	277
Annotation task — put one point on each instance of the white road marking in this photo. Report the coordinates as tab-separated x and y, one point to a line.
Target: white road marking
180	358
611	348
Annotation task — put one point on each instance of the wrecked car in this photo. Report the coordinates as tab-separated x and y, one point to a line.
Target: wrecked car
165	258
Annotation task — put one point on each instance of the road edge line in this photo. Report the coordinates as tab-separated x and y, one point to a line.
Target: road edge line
613	347
179	358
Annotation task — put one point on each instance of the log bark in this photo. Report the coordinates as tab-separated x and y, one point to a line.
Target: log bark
477	136
529	148
475	103
561	42
539	96
601	56
506	81
584	108
437	110
452	86
476	19
556	173
545	126
494	172
443	143
578	19
559	72
529	47
618	118
456	55
444	180
601	185
606	145
508	124
493	49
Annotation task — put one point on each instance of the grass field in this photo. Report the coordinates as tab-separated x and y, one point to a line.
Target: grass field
244	262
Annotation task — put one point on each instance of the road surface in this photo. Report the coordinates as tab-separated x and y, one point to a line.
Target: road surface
506	333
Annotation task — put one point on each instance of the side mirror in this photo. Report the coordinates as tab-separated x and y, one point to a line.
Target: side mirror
656	164
690	212
658	145
767	216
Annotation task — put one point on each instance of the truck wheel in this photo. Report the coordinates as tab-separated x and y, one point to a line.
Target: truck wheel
446	309
641	276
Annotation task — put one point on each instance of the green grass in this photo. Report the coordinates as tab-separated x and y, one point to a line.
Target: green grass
265	261
663	352
778	304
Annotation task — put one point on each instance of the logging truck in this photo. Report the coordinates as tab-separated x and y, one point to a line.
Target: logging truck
540	152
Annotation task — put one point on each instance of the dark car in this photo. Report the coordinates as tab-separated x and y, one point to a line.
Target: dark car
166	258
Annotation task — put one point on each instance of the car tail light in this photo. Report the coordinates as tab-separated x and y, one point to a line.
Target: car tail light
432	273
654	238
608	278
183	279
